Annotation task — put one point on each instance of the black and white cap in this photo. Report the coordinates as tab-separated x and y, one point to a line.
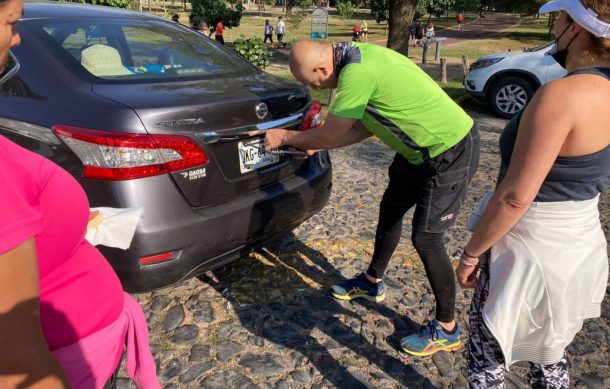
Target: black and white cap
585	17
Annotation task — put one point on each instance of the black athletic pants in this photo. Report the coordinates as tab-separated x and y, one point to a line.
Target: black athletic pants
437	189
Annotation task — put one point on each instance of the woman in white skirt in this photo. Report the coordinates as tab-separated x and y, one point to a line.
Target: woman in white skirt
539	244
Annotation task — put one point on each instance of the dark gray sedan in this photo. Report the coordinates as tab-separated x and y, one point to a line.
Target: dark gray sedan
147	113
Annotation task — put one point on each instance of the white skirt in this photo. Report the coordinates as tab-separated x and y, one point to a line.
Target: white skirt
547	275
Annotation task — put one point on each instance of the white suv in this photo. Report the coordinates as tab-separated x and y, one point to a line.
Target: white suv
507	81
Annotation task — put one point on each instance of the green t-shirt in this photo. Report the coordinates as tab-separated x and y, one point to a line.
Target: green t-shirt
398	102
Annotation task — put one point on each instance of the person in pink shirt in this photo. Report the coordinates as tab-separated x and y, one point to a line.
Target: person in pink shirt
64	318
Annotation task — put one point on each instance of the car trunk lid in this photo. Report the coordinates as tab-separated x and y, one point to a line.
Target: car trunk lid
227	117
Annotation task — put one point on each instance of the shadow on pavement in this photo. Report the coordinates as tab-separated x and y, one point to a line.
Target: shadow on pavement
290	319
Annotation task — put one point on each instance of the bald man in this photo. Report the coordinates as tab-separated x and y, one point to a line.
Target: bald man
381	92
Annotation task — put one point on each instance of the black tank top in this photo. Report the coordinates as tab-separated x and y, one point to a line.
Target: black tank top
570	178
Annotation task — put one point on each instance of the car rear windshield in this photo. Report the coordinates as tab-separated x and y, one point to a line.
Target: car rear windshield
132	49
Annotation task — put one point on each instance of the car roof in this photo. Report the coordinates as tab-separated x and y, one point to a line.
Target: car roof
54	9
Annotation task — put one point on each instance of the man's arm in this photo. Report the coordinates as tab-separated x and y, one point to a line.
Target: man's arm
335	132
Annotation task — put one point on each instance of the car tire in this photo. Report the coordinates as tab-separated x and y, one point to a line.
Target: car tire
509	96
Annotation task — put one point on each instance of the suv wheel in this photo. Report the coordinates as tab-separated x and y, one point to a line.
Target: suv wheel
509	96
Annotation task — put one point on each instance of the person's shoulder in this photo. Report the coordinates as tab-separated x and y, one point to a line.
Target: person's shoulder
572	87
19	163
569	96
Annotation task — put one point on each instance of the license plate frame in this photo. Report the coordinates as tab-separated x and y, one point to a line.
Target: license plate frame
252	155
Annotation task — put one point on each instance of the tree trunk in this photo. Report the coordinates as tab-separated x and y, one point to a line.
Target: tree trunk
401	15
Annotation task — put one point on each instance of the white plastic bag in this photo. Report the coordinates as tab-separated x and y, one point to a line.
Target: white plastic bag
117	228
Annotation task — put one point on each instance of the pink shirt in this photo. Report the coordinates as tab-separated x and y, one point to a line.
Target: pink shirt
79	292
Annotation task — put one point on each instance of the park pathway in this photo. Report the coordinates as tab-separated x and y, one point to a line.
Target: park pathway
481	28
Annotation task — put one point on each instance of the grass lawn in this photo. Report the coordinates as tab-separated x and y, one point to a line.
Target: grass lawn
529	33
253	21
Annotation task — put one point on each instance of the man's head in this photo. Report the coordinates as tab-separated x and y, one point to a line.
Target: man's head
10	13
312	64
279	18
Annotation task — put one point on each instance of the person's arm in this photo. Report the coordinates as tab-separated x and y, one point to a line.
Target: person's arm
544	128
335	132
25	360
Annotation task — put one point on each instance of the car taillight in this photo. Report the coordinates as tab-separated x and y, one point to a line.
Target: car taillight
120	156
313	117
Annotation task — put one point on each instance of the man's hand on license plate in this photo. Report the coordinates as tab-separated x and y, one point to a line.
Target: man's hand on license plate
274	139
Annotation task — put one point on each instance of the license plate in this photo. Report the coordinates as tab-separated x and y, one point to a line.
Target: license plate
252	155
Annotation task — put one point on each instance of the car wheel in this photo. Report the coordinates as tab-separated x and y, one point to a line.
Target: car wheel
509	96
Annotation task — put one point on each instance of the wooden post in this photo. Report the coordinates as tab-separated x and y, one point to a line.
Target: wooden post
437	53
443	70
424	56
465	65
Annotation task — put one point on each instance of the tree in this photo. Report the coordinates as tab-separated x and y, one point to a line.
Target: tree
345	9
400	16
380	10
467	5
109	3
212	11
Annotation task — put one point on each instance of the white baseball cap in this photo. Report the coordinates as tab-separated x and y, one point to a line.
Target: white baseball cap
585	17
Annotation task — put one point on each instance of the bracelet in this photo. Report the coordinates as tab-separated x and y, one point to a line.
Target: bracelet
467	260
468	255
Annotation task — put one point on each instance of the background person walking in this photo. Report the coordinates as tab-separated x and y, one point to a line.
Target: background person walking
219	31
268	32
459	18
364	31
280	30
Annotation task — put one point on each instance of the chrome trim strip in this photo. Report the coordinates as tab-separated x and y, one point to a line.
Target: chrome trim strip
41	134
244	132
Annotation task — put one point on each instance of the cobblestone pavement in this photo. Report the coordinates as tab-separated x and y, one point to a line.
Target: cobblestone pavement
267	321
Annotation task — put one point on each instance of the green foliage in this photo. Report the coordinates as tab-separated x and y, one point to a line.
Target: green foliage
295	18
270	3
380	10
306	4
435	8
109	3
212	11
253	49
526	7
467	5
345	9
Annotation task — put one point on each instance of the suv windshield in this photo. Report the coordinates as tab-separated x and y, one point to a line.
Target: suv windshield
131	49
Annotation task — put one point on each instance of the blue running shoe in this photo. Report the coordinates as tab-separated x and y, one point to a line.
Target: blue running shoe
431	338
358	288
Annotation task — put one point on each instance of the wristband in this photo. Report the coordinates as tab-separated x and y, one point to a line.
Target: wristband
469	261
465	253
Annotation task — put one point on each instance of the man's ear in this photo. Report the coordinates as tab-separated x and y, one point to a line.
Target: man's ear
324	70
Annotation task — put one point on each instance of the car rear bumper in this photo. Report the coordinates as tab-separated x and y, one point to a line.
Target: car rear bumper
207	238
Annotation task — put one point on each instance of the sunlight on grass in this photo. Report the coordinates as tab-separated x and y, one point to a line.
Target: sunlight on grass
529	33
